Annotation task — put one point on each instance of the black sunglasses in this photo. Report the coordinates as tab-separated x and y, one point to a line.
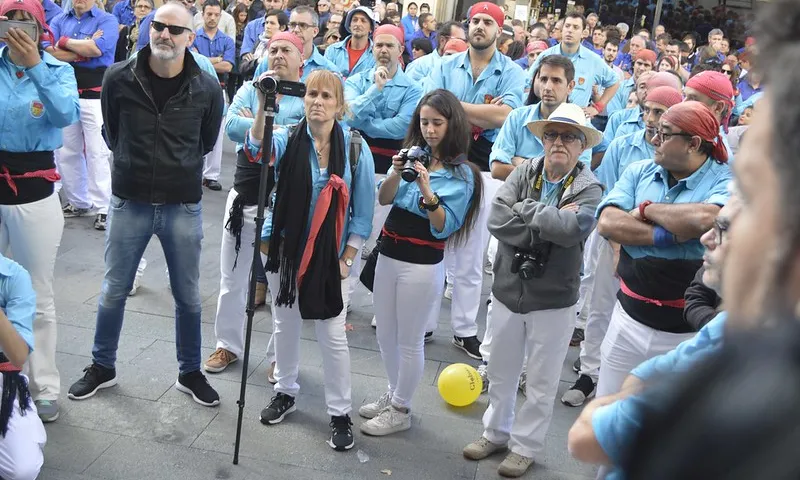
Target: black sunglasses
173	29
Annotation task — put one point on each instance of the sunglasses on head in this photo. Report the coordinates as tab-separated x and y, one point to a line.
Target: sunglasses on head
173	29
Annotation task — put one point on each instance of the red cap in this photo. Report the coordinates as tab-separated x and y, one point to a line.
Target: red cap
489	9
542	46
33	7
455	44
666	96
696	119
664	79
392	30
749	41
289	37
646	55
716	86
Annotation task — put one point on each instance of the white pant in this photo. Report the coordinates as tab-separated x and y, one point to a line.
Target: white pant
601	305
587	279
234	282
33	231
212	162
83	161
379	217
627	344
21	455
546	335
332	341
464	265
406	296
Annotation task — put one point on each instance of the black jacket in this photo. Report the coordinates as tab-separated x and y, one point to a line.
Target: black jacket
702	302
158	157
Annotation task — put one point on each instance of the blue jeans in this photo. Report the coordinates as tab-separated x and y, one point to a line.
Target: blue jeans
130	226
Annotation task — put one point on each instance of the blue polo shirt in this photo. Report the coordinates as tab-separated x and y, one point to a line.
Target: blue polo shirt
337	54
17	298
313	63
590	70
621	152
623	122
252	31
290	112
381	113
68	25
501	78
220	46
620	99
514	139
123	10
36	107
421	68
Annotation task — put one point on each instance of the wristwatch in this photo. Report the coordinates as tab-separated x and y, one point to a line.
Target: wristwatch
348	262
429	206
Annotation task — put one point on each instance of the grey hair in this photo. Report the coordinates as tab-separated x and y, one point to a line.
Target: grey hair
306	9
716	31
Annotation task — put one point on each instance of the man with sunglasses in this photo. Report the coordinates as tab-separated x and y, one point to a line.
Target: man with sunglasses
541	216
657	212
304	23
162	115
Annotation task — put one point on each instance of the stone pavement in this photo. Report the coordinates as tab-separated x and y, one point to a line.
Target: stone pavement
145	429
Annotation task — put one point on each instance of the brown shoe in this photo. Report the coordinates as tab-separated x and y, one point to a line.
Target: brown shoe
271	374
219	361
261	294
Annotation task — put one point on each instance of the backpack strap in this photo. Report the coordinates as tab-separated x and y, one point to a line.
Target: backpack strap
355	150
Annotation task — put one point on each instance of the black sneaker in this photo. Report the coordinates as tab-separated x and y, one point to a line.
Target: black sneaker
280	406
212	184
577	337
196	385
94	378
583	389
470	345
428	337
576	367
341	433
100	221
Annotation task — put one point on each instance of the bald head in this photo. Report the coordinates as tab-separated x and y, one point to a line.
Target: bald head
176	10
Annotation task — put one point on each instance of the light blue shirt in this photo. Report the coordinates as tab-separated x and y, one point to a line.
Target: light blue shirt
252	32
291	110
616	425
381	113
645	180
514	139
741	105
622	152
358	221
315	62
454	188
623	122
338	55
421	68
620	99
590	70
17	298
36	107
502	78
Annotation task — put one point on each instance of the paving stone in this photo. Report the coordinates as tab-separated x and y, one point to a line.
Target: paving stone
72	448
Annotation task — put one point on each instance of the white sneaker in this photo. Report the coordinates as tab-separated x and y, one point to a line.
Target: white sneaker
135	287
448	291
484	374
390	420
374	322
371	410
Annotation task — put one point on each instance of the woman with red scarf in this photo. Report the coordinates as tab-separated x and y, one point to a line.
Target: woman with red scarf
321	216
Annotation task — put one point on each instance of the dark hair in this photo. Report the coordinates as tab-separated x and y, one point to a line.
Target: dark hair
537	25
664	37
612	42
211	3
239	8
425	5
704	67
533	99
559	61
692	36
422	44
516	50
517	23
283	20
577	15
612	33
453	145
410	4
423	17
447	27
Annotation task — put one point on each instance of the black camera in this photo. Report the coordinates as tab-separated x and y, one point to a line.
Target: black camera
529	265
274	86
409	156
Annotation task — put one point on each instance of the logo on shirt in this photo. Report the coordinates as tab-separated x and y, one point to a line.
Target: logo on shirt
487	99
37	109
581	81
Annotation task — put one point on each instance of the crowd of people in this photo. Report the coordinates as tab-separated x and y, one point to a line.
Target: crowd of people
587	174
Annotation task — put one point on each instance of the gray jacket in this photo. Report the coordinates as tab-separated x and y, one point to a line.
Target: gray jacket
520	221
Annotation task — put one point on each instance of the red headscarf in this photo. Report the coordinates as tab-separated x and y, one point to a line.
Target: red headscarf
646	55
696	119
33	7
456	44
392	30
716	86
666	96
489	9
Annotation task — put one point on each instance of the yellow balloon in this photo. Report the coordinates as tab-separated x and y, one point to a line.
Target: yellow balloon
460	385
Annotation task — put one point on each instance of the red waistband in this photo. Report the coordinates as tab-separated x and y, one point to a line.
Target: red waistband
51	175
661	303
93	89
8	367
386	152
439	245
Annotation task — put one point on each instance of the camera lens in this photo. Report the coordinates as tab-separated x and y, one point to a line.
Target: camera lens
267	85
409	173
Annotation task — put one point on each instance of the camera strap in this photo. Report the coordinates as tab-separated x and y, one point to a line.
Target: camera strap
538	183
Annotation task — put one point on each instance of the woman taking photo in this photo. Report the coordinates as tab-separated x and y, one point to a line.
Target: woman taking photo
44	100
441	203
321	216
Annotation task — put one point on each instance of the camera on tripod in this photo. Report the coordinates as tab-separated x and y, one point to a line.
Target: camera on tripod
409	156
529	265
274	86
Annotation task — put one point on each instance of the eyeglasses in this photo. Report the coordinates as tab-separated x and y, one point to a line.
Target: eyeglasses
566	138
144	7
300	25
663	136
174	30
721	226
727	72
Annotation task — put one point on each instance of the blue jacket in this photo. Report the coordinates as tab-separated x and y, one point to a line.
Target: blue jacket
36	107
362	188
252	31
420	34
17	299
337	54
236	126
381	114
410	25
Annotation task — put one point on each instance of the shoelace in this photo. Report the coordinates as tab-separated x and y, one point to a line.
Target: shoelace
341	423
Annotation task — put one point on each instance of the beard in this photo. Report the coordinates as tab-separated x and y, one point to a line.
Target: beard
163	51
483	44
